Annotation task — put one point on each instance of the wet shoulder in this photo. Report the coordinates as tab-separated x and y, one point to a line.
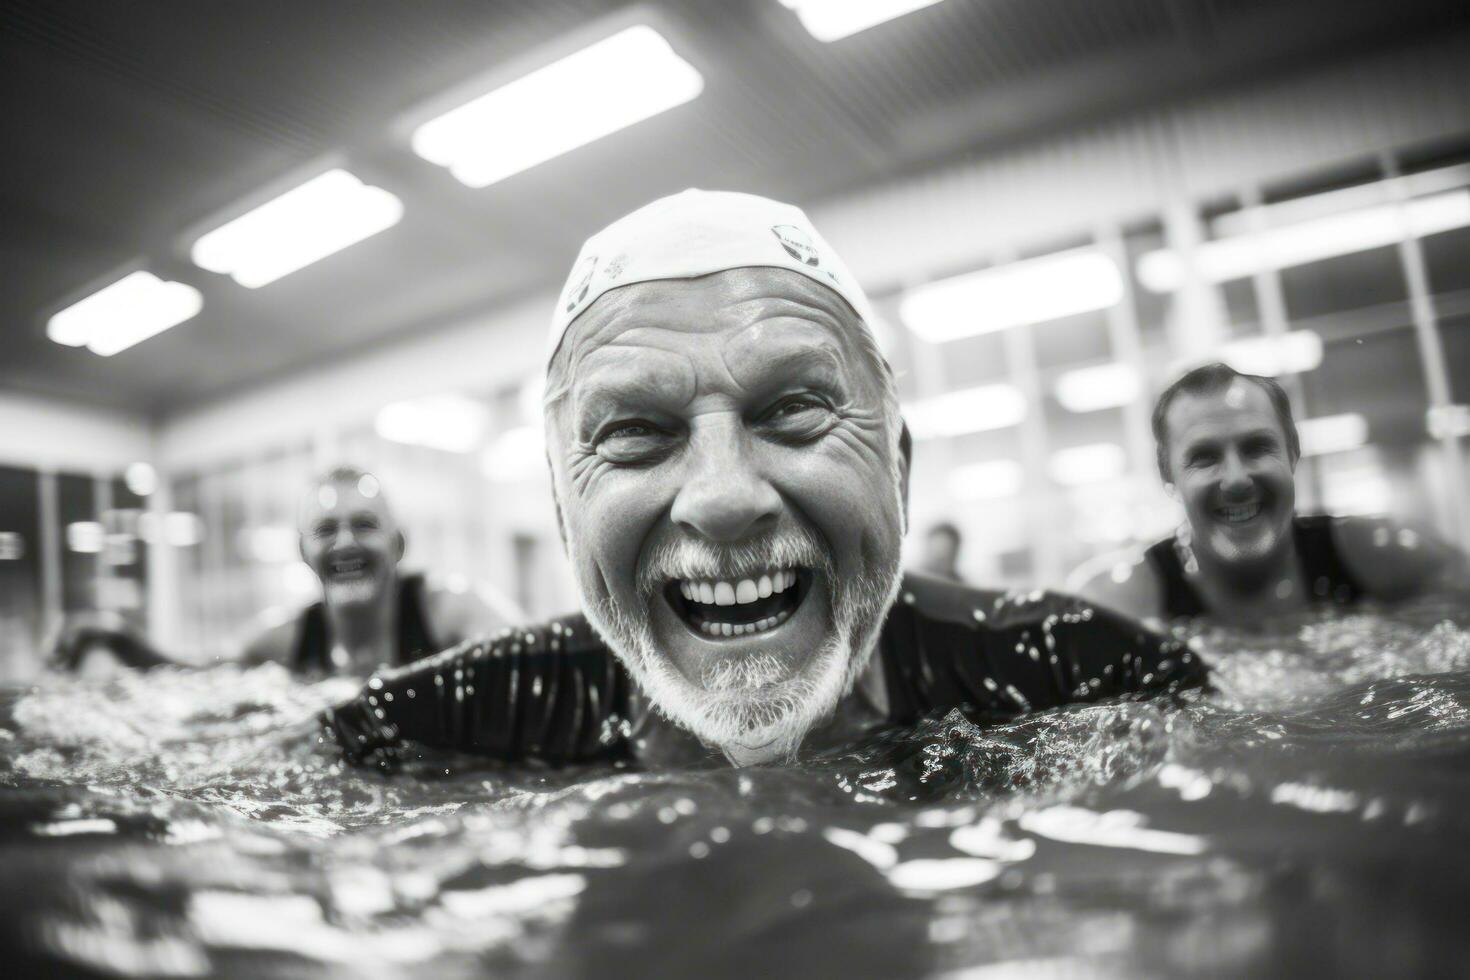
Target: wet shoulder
569	634
941	601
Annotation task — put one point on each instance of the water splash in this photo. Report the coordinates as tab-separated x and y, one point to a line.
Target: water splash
189	823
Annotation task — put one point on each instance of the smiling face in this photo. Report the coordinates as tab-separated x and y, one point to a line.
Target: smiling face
350	540
1229	462
725	463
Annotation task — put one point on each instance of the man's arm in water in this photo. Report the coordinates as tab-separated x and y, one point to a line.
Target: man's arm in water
1124	582
556	694
551	692
1392	561
272	645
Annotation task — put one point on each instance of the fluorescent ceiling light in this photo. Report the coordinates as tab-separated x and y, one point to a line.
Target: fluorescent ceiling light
831	20
619	81
1290	353
270	544
127	312
1446	421
304	225
1093	388
452	423
1332	433
990	480
12	546
182	529
85	537
1031	291
1361	491
141	479
1308	241
1093	463
970	410
518	454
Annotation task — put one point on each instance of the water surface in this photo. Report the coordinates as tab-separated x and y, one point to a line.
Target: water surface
1308	817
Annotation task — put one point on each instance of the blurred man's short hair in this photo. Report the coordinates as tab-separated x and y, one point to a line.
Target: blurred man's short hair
1212	379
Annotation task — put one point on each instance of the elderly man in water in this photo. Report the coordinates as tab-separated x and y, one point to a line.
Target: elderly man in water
371	613
724	437
1228	450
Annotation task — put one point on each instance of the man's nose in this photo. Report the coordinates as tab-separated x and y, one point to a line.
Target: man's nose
726	497
1234	477
345	537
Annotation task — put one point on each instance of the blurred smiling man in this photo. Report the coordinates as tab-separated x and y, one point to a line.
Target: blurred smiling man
371	613
724	441
1228	450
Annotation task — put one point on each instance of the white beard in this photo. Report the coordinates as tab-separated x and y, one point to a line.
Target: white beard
351	592
753	709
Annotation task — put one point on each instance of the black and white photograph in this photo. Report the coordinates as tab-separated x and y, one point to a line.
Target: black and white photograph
540	489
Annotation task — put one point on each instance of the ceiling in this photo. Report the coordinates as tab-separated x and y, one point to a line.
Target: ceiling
132	123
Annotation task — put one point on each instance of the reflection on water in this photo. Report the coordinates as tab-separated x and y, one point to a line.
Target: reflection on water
1306	817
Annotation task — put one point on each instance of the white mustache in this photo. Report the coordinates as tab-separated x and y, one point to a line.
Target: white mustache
688	558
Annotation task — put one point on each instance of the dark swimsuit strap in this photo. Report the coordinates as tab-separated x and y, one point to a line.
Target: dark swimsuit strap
415	637
1327	575
1180	598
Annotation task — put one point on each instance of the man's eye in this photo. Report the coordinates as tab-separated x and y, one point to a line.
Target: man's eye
798	409
633	441
626	430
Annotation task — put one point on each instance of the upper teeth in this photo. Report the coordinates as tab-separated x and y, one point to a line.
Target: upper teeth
721	593
347	564
1241	512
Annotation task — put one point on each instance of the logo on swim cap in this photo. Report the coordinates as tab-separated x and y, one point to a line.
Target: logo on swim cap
796	244
580	281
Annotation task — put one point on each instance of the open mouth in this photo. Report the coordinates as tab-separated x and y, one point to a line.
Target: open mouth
1238	513
718	608
347	569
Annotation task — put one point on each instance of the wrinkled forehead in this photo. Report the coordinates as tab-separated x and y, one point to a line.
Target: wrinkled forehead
1241	406
758	320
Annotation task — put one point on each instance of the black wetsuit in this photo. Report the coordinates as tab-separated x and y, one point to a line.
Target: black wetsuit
556	693
414	639
1327	575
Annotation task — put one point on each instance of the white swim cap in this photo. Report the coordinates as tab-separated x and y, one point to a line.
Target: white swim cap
695	233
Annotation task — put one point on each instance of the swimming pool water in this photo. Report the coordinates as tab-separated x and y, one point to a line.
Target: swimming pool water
1310	816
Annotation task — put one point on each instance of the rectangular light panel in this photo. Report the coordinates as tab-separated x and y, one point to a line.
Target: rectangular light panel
1081	465
304	225
832	20
957	413
1091	389
136	307
991	480
1332	433
452	423
1030	291
629	77
1295	352
1313	240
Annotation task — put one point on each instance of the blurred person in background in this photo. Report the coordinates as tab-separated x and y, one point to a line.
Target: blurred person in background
727	463
941	555
371	613
1227	450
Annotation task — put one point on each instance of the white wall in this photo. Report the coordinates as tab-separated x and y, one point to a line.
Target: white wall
499	347
45	434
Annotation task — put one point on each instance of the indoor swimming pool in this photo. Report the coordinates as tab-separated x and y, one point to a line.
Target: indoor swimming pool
1307	816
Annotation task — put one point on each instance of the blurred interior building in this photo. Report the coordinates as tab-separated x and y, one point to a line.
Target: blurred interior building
1055	205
